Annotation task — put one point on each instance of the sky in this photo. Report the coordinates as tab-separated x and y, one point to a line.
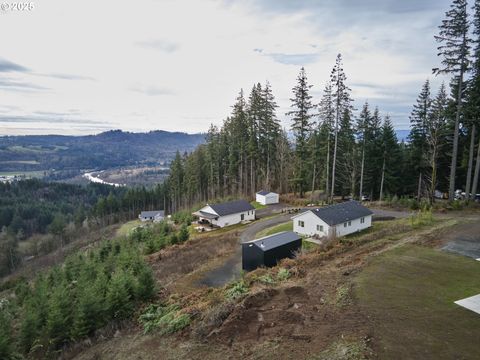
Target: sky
83	67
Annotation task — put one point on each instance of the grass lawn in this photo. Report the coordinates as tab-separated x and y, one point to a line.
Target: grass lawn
257	205
409	293
288	226
127	227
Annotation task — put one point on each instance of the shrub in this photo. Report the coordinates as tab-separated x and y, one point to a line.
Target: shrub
283	274
236	290
267	279
168	319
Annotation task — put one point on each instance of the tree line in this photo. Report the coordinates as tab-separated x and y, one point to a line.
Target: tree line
339	150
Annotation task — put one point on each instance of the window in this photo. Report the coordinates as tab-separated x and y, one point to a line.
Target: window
349	223
320	228
344	224
301	223
362	220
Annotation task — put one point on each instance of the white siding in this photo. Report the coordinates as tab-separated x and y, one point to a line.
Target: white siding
234	218
270	198
311	221
208	209
355	225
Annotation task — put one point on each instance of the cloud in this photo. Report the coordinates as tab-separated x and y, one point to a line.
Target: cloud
159	44
68	76
54	118
8	84
8	66
290	59
152	90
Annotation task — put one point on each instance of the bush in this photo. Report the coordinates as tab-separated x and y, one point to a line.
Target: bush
168	319
236	290
283	274
267	279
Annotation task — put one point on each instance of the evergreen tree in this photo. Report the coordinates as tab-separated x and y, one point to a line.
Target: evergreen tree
342	105
391	159
418	136
327	121
435	136
363	126
473	95
455	49
301	128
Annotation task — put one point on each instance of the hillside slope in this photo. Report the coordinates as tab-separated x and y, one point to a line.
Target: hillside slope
106	150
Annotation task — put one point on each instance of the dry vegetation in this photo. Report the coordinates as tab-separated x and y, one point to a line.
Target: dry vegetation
303	308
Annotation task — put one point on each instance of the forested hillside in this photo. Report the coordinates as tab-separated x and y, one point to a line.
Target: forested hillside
49	215
69	154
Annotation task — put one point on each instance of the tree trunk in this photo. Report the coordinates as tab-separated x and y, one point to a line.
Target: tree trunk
363	167
453	166
334	155
383	178
327	184
470	164
477	170
419	191
433	184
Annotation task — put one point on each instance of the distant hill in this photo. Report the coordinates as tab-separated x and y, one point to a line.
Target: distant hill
106	150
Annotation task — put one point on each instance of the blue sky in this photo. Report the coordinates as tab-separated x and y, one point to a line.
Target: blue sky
85	67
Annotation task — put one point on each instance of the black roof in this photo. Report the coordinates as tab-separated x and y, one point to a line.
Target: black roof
343	212
272	241
231	207
263	192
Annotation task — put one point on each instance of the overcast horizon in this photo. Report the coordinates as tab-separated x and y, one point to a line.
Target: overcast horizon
87	67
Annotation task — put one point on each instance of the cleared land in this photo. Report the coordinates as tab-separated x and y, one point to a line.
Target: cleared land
386	293
409	293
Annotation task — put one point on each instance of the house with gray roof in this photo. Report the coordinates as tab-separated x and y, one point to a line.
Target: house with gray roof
155	215
266	197
227	213
334	220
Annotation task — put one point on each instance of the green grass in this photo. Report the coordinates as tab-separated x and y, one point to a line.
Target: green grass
288	226
409	294
127	227
257	205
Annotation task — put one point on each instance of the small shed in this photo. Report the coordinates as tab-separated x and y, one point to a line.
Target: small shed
267	197
267	251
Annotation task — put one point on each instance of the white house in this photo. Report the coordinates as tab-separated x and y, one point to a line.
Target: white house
155	216
225	214
335	220
267	197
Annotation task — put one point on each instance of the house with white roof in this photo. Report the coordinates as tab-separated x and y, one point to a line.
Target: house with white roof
225	214
267	197
335	220
155	215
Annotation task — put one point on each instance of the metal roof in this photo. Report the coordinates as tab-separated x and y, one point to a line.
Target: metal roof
272	241
231	207
152	213
340	213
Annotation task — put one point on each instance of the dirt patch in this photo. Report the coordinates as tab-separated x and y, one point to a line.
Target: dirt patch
193	256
